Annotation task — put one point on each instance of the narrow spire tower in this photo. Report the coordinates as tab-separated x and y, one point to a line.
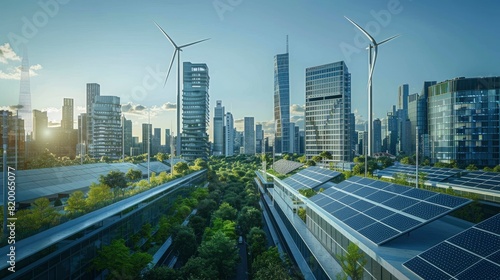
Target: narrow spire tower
25	96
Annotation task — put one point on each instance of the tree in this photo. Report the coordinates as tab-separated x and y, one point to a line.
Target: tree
269	265
184	243
161	157
317	159
76	203
206	207
310	163
98	195
220	252
249	217
225	212
181	168
114	179
302	213
133	175
257	240
198	268
352	262
161	273
200	163
43	213
198	224
471	167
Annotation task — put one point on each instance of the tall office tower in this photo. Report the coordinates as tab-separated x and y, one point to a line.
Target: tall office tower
218	129
25	112
404	126
12	132
238	140
464	124
417	113
229	135
292	140
82	134
328	107
156	141
40	124
195	111
282	102
259	139
403	93
354	135
377	136
93	90
302	139
168	141
67	114
127	134
391	139
147	135
362	142
249	136
296	140
106	128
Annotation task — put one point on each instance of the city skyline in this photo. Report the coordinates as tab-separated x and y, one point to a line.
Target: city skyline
126	50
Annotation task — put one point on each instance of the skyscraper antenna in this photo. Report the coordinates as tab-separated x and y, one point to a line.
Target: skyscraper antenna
286	43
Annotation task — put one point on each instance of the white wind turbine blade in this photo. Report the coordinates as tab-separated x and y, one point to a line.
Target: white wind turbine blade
170	67
166	35
362	30
190	44
388	39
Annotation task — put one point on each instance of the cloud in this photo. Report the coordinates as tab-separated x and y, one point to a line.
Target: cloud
7	53
169	106
51	110
14	73
133	109
296	109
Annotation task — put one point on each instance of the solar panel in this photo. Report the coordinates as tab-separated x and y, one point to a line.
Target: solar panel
471	254
391	210
310	178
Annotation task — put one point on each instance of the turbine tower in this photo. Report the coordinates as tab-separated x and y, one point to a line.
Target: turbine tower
177	49
372	53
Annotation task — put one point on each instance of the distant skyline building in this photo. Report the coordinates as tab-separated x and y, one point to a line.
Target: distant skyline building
156	141
195	111
377	136
127	133
229	135
147	135
39	125
67	114
82	134
25	112
259	138
282	102
93	90
218	129
12	131
106	127
168	141
249	136
464	123
328	109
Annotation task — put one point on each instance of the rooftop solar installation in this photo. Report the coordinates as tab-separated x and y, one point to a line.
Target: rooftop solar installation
382	211
471	254
477	179
284	166
433	174
310	178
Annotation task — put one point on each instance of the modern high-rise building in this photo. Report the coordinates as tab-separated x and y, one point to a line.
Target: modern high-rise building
67	114
147	135
82	134
168	141
39	126
195	111
293	140
282	102
403	92
229	135
249	136
127	134
259	138
218	129
328	107
106	127
93	90
15	130
25	112
417	113
377	136
156	141
464	123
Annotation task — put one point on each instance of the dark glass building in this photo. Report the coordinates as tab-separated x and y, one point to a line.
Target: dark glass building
464	121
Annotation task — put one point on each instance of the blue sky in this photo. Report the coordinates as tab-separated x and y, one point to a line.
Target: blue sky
116	44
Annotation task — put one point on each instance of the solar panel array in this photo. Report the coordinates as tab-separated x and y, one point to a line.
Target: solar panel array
471	254
382	211
434	174
478	179
310	178
284	166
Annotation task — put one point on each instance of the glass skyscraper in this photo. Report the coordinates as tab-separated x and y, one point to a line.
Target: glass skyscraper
106	127
218	129
249	136
328	109
282	103
195	111
464	121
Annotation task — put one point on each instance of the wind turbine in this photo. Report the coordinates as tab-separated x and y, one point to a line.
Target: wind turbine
177	49
372	51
